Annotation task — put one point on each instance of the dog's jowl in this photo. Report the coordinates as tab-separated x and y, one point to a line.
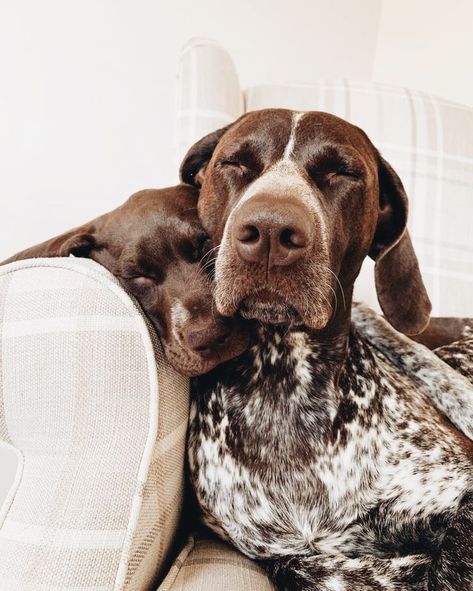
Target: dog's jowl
311	452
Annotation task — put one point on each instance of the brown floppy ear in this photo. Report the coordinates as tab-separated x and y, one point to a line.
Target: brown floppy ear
79	242
401	291
195	162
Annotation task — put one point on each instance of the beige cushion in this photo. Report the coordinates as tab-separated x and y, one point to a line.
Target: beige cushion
428	140
207	565
98	420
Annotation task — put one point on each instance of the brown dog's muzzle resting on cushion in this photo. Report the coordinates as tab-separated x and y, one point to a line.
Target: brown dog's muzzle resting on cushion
155	244
296	202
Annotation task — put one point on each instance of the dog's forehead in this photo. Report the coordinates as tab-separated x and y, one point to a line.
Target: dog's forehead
169	201
325	127
154	211
270	131
266	132
154	221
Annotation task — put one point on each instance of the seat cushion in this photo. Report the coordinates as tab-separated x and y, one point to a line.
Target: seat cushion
210	565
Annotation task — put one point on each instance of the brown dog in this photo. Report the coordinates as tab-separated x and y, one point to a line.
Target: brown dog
157	248
312	452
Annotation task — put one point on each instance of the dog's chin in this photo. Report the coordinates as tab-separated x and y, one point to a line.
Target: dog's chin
269	307
269	312
191	364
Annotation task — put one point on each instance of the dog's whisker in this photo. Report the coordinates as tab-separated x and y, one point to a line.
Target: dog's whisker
341	288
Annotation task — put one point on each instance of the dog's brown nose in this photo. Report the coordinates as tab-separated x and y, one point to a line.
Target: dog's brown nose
275	230
208	339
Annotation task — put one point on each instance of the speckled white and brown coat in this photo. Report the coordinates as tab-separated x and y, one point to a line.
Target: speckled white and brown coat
333	459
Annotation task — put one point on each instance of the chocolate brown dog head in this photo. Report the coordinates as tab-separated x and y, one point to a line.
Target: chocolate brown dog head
295	202
156	246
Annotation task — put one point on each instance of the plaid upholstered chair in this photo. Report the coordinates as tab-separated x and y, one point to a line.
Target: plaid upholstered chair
97	420
96	416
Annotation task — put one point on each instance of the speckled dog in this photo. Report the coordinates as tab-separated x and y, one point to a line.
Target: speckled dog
314	452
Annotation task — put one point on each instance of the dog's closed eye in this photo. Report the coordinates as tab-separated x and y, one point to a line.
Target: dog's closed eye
243	163
328	177
330	166
136	279
237	166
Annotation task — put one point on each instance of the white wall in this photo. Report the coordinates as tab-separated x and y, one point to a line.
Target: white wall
428	45
87	90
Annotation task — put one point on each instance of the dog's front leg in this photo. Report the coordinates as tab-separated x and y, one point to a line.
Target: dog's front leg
452	569
326	572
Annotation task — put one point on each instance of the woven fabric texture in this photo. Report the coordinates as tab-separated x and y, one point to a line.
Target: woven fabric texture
98	419
207	565
428	140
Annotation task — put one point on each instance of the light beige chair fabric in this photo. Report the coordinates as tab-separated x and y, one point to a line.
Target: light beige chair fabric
208	93
98	420
427	139
204	565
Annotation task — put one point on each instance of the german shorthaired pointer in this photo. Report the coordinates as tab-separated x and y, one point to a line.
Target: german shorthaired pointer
154	244
311	452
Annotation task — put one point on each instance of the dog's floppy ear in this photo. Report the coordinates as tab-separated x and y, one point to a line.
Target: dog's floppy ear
401	291
195	162
79	242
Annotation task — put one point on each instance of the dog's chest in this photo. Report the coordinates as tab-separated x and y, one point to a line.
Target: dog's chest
266	472
287	454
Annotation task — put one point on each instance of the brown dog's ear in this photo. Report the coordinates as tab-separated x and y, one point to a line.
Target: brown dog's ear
195	162
79	242
401	291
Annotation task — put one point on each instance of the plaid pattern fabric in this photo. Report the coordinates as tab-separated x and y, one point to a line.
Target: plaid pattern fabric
204	565
99	419
208	93
428	140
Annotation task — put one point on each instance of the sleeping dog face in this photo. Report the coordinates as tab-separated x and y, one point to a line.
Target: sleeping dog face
295	202
157	248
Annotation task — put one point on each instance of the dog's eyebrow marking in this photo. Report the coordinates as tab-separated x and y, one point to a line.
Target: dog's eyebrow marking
296	117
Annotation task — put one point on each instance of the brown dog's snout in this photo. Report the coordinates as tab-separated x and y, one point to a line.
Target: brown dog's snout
207	339
278	231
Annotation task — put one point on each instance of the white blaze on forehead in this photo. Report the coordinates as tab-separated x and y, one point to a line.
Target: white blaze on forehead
292	138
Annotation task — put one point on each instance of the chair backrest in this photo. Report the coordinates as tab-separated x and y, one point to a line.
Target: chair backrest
98	420
428	140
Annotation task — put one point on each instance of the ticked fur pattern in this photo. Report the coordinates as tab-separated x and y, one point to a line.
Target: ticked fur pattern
329	463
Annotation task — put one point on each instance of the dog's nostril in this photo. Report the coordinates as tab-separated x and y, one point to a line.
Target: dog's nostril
222	340
248	233
290	238
202	349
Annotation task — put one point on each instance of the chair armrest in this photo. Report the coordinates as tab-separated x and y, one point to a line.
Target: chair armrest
99	419
208	94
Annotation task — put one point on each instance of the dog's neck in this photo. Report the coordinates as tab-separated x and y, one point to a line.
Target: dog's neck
288	389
